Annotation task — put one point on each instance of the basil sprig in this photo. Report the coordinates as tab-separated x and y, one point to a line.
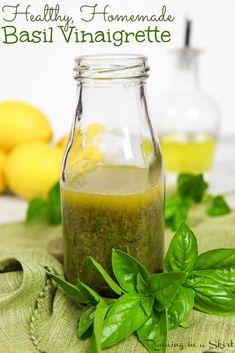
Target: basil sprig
152	304
47	210
190	190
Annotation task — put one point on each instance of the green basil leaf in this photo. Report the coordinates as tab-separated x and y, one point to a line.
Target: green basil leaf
180	307
224	276
79	295
109	301
126	269
176	211
211	297
125	316
89	292
192	186
171	206
147	298
165	287
88	333
144	290
184	324
100	313
153	333
218	207
147	304
37	211
86	320
54	203
215	259
141	286
99	269
182	252
40	210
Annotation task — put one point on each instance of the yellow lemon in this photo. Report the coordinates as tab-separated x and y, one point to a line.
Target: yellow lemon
77	140
63	141
88	158
2	179
85	153
32	168
21	122
92	131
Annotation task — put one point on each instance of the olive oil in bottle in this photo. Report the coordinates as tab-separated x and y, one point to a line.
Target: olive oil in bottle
190	153
188	118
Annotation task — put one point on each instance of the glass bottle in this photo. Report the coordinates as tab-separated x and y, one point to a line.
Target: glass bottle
112	183
188	119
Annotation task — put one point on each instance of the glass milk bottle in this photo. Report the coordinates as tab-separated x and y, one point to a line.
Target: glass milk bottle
112	183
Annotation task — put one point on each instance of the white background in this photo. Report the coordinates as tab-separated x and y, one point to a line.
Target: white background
41	74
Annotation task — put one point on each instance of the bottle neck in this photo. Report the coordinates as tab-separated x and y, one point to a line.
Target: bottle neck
111	88
112	104
186	73
112	126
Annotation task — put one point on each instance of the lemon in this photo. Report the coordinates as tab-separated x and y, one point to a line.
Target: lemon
85	153
93	131
2	179
63	141
21	122
32	168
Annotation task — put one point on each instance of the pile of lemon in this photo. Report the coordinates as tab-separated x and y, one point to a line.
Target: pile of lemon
29	163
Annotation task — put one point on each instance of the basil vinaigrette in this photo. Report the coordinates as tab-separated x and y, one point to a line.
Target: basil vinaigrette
112	207
112	181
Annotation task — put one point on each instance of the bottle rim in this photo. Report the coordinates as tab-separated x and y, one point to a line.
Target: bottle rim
111	67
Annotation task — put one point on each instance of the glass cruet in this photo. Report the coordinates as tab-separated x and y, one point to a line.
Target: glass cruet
188	118
112	183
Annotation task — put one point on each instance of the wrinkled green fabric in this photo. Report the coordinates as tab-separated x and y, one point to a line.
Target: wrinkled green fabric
37	316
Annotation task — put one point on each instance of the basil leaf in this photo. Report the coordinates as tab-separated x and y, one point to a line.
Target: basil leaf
224	276
88	333
181	307
54	214
89	292
147	298
100	313
109	301
153	333
176	210
86	320
79	295
40	210
37	211
147	304
215	259
125	316
184	324
99	269
192	186
165	287
182	252
219	265
141	286
218	207
211	297
126	269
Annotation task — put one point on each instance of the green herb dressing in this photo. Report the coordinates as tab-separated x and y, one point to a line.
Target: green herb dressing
112	207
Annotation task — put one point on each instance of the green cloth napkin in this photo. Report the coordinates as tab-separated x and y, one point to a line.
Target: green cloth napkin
37	316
